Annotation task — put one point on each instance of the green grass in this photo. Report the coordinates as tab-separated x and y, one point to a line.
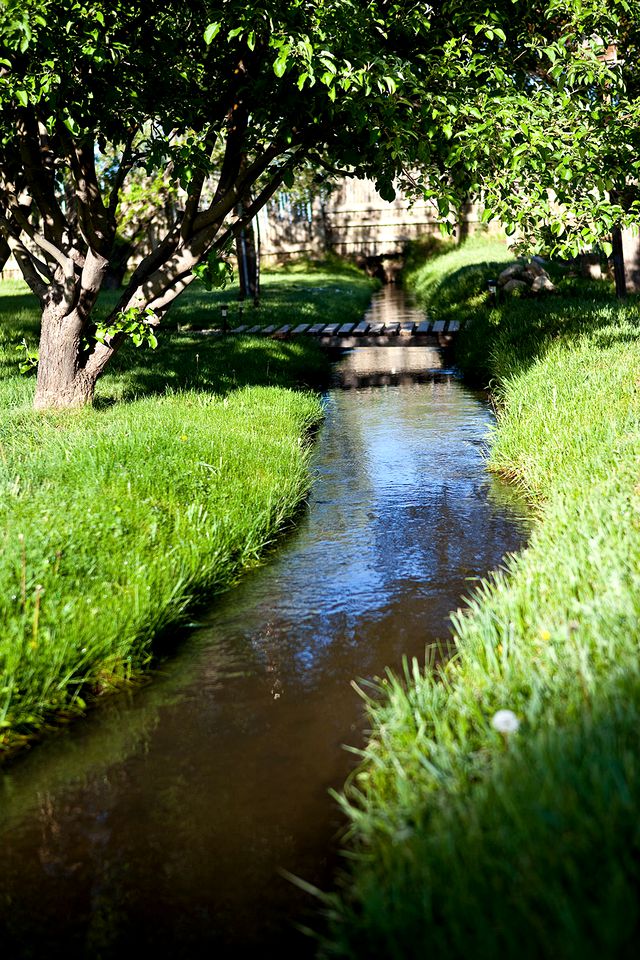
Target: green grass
454	283
115	519
467	844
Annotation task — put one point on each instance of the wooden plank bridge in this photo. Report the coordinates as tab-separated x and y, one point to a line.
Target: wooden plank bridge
404	333
362	334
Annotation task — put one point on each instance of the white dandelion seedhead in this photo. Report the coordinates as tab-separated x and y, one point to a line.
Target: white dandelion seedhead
505	721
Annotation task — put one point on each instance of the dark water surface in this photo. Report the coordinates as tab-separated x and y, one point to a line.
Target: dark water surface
159	824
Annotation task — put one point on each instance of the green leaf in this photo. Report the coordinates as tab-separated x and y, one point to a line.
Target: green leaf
386	190
212	32
280	66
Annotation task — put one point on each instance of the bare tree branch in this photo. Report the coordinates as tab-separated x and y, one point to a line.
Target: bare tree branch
127	162
38	170
219	209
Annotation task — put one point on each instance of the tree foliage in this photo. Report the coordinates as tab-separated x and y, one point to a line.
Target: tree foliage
448	99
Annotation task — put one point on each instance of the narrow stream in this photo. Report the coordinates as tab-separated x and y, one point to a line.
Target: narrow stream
160	823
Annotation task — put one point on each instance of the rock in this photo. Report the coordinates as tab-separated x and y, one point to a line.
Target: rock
590	266
512	272
516	287
534	270
542	284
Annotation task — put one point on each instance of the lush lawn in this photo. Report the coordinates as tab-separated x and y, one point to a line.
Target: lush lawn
114	519
472	843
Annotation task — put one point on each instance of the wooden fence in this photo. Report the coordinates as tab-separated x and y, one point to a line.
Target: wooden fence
352	221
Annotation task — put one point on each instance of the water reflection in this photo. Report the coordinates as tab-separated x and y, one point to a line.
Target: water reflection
160	823
390	305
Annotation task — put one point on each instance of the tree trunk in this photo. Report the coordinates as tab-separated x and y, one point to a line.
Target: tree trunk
62	383
618	263
246	254
114	276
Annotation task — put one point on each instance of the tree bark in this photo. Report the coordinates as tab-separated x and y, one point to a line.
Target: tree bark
247	257
618	263
62	383
118	263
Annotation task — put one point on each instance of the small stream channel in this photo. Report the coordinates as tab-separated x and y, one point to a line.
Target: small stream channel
158	825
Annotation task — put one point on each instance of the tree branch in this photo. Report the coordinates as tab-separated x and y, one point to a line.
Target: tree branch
219	209
5	252
126	163
38	171
94	220
334	171
26	263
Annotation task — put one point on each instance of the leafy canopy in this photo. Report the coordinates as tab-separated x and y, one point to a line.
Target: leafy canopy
448	99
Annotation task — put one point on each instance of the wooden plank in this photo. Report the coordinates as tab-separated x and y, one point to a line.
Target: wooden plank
424	326
345	329
361	328
241	329
301	328
376	329
392	329
438	326
330	330
454	326
255	329
282	330
407	328
270	329
316	329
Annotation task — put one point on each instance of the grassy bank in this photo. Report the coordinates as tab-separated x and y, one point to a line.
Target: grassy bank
469	842
113	520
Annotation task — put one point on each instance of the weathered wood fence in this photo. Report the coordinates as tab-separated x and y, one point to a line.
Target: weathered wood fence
352	220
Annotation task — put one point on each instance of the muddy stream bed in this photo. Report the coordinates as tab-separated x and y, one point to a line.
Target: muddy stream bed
159	824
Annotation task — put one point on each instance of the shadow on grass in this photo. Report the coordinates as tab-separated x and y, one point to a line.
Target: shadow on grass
509	338
213	364
542	859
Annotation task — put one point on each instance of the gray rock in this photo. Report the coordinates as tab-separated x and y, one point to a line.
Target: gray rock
512	272
516	287
534	270
542	285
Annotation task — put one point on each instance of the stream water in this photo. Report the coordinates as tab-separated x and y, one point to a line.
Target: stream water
159	824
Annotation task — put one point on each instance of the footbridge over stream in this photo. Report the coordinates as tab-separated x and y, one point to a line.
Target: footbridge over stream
402	333
392	320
